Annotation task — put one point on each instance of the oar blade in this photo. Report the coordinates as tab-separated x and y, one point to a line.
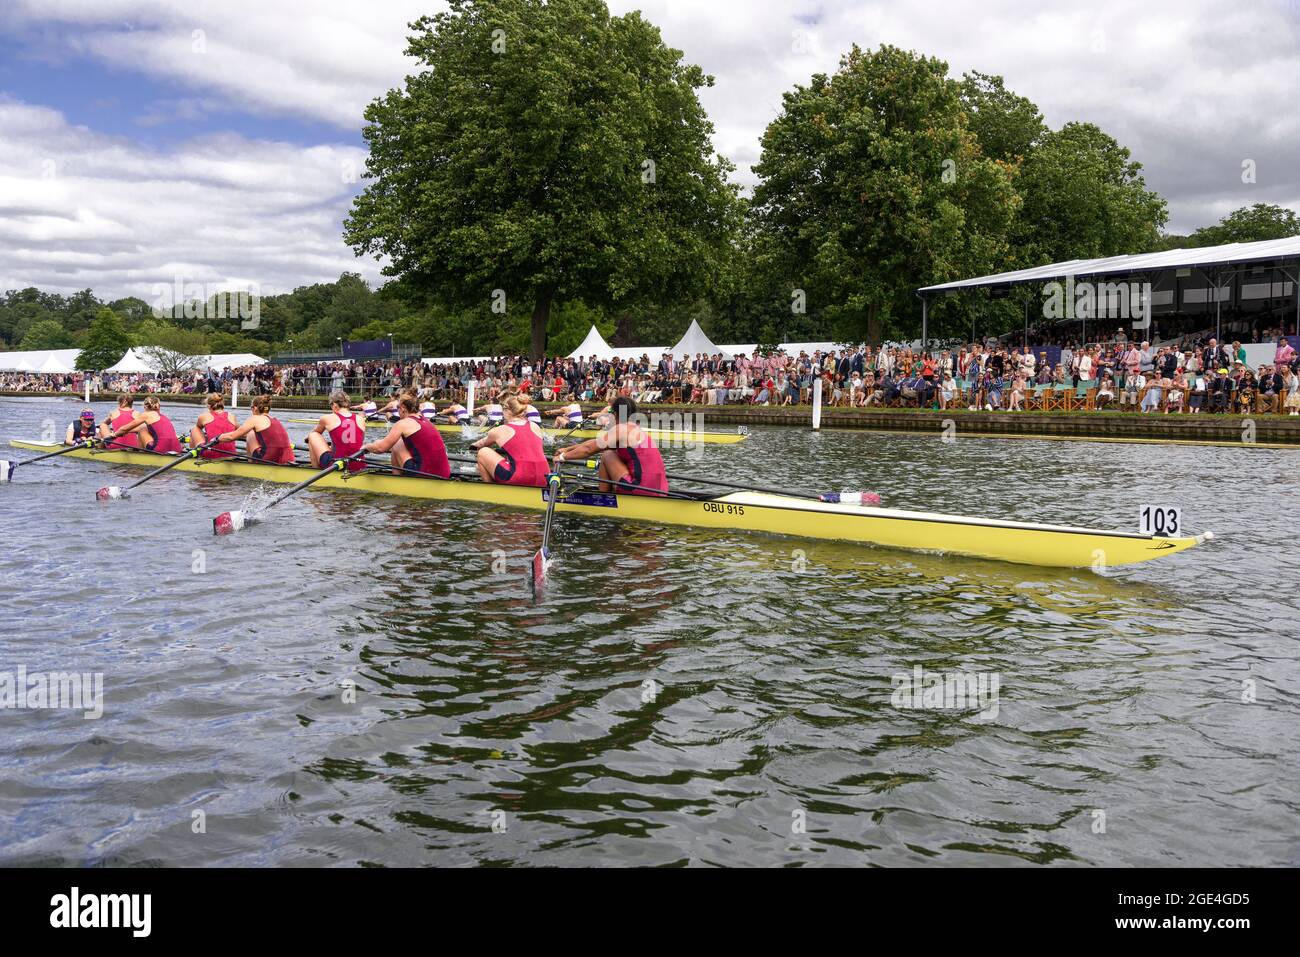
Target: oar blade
541	564
6	471
228	522
110	492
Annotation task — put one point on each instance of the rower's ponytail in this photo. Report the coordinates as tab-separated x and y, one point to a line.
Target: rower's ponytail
151	403
261	404
215	402
514	406
409	403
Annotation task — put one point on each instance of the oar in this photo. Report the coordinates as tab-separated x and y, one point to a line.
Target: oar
7	467
112	491
585	419
228	522
542	560
621	486
842	498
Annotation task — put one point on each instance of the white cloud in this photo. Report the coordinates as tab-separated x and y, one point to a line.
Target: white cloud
80	209
1193	87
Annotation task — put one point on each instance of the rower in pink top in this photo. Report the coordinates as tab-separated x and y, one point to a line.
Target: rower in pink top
511	453
629	459
347	432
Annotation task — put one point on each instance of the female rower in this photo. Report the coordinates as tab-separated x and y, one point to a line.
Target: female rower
155	431
518	458
124	414
81	429
211	424
569	416
456	414
493	414
264	436
415	443
531	412
628	455
347	432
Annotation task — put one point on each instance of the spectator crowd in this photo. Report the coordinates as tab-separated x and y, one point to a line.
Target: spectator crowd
1201	375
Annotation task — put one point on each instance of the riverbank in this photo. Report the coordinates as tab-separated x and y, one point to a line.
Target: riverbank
1182	428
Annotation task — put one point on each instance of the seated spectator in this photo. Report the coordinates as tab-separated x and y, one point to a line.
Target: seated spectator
1156	392
994	384
1246	388
947	389
1134	383
1017	395
1177	392
1220	391
1270	386
1292	404
1105	391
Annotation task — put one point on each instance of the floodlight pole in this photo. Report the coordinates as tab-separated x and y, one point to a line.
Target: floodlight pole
925	322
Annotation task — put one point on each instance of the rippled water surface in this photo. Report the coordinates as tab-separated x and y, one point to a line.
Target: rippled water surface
677	697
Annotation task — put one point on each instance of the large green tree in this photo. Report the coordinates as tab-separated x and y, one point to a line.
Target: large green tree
550	151
1249	224
45	334
106	342
1007	126
1084	197
872	185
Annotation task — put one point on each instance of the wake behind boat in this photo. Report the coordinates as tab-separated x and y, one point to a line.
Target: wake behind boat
1020	542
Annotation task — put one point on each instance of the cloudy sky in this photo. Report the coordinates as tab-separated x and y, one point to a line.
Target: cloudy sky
142	141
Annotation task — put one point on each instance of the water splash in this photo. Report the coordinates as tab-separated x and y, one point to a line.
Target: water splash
257	501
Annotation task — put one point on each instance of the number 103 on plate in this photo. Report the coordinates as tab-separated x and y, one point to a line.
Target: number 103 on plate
1161	520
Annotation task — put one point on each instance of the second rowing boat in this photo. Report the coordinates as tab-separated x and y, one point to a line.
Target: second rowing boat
676	436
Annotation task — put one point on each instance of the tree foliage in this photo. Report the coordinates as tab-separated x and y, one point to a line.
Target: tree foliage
1084	197
873	184
1249	224
106	342
45	334
548	152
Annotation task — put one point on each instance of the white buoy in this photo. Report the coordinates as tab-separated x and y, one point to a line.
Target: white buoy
234	394
817	403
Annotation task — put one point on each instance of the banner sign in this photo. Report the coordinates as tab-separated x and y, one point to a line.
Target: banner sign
368	349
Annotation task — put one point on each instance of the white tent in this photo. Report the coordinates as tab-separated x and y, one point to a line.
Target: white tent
232	360
53	365
132	362
593	345
33	359
695	341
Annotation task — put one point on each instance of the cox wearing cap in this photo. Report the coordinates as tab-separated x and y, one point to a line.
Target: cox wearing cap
80	429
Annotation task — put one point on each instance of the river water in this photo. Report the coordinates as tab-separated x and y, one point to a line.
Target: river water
352	683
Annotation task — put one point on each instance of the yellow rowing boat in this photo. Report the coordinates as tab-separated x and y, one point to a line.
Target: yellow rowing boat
1022	542
671	436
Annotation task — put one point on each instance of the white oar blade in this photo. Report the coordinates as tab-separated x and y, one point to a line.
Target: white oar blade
228	522
6	471
110	492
